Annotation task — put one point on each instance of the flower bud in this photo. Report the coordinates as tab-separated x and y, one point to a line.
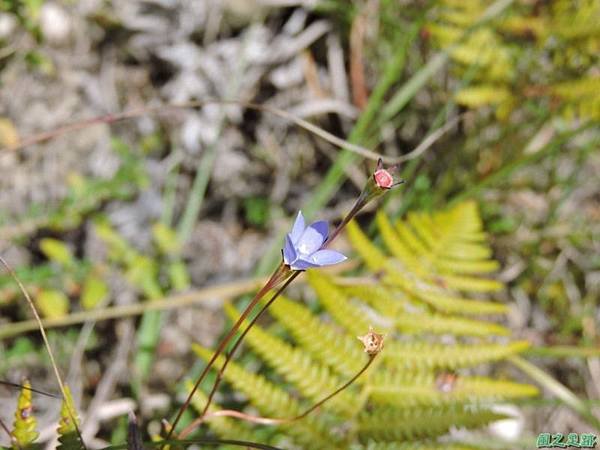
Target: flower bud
372	341
383	179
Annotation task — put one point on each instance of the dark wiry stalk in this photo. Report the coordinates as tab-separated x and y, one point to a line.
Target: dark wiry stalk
360	203
237	343
37	391
241	338
280	274
374	188
274	421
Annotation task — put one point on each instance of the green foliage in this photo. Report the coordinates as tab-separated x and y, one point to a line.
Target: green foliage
400	424
64	275
56	251
94	291
24	431
85	195
24	427
68	425
274	401
411	395
256	211
511	54
52	303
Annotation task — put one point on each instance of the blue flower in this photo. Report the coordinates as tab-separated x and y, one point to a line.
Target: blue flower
303	246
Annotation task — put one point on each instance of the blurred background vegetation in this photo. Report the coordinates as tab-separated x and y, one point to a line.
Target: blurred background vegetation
493	109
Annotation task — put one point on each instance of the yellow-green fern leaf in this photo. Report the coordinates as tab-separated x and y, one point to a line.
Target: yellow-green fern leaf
470	284
434	256
426	355
373	257
273	401
338	304
481	95
386	301
311	379
341	354
222	426
397	424
442	324
439	298
428	389
396	244
24	427
581	96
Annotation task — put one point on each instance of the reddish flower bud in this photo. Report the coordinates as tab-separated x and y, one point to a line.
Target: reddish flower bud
383	179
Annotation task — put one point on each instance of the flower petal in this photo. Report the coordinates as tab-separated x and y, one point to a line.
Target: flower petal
298	228
302	264
327	257
311	240
321	227
289	252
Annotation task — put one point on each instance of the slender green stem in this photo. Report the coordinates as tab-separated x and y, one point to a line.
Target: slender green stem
196	197
558	389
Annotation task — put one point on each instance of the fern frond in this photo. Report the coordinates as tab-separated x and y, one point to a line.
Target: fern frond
272	401
371	255
400	249
445	301
384	300
340	351
222	426
421	289
312	380
338	305
426	355
410	318
433	256
24	427
422	445
423	390
442	324
395	424
68	434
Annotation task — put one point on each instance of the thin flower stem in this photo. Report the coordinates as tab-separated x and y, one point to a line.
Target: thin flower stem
278	276
237	343
274	421
371	191
360	204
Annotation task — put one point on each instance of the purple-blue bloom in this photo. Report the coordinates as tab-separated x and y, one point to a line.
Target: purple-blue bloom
302	249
